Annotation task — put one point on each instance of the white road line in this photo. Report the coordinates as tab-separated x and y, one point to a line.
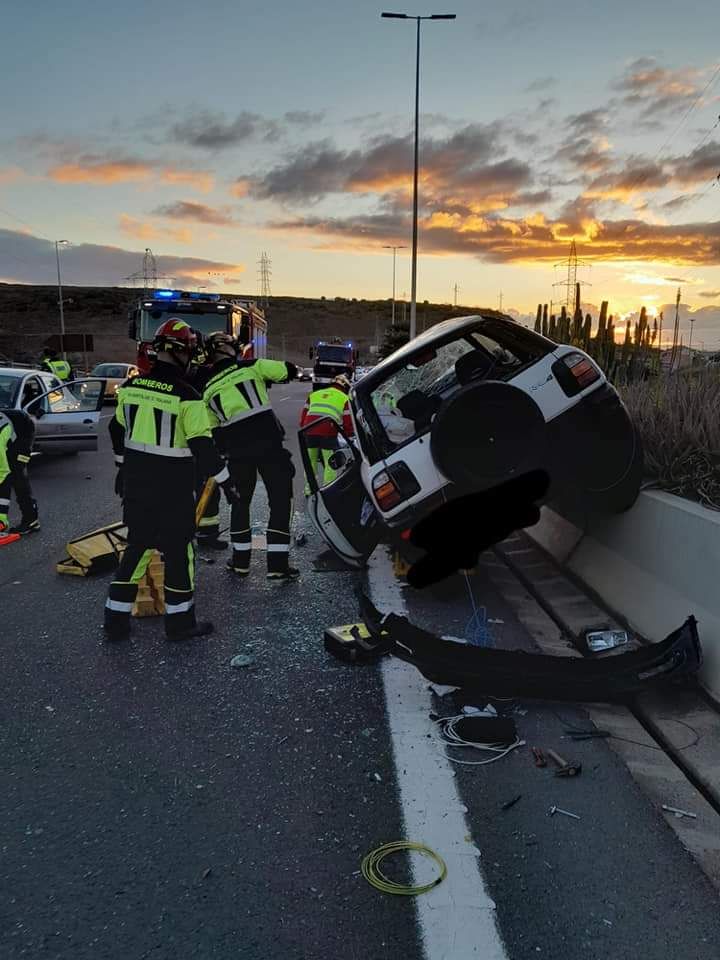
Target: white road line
284	398
457	919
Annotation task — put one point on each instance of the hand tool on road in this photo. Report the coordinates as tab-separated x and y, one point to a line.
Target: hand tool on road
566	769
588	734
539	756
565	813
679	813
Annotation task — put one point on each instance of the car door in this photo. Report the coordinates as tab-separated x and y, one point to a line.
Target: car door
67	416
341	510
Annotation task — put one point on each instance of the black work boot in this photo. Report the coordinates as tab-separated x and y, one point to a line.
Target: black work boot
211	543
116	627
27	525
200	629
284	575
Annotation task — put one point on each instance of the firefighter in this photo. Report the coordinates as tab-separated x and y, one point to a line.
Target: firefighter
17	432
322	440
56	365
208	532
252	438
160	427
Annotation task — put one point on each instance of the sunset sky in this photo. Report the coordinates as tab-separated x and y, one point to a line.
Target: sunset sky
213	131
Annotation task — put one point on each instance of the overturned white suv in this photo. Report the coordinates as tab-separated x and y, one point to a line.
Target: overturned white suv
468	405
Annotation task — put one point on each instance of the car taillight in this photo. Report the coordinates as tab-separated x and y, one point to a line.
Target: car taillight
386	492
575	372
394	485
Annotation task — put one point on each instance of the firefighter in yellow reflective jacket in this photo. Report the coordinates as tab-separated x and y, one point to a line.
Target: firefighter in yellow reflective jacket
56	365
251	437
329	407
160	428
17	432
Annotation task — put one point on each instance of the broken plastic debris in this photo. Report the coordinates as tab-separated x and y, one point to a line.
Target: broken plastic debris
242	660
440	689
599	640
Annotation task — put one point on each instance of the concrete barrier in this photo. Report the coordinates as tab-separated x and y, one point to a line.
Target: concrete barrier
654	565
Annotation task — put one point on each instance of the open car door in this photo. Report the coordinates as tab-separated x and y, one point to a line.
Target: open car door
340	509
67	417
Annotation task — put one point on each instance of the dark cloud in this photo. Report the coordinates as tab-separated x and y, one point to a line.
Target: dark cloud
28	259
637	175
213	131
470	159
709	294
676	203
542	83
702	164
197	212
304	118
584	153
589	123
654	89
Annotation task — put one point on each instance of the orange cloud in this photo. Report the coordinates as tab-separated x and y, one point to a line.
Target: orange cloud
142	230
240	187
102	172
11	174
199	180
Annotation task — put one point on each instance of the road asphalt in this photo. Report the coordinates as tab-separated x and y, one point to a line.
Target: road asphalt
158	803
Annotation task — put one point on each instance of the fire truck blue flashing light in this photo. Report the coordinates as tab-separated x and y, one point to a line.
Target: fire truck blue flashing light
181	295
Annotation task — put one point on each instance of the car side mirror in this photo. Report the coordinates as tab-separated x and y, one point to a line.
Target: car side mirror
132	329
310	353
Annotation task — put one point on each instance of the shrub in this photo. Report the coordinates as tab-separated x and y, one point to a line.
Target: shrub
679	421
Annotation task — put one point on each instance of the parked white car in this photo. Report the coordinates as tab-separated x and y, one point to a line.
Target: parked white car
469	404
66	416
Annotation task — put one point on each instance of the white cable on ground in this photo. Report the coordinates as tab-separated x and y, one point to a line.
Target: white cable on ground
452	739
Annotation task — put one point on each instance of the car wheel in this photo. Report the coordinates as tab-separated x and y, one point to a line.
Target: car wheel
487	433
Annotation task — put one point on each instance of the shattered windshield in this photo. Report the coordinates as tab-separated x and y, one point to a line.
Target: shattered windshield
404	404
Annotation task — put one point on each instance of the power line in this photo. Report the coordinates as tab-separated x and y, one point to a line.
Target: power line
642	177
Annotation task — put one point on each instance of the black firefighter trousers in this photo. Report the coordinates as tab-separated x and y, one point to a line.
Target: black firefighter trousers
172	536
276	471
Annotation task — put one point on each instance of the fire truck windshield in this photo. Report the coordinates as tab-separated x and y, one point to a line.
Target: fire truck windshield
331	353
204	323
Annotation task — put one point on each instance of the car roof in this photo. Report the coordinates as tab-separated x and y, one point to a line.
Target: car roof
19	371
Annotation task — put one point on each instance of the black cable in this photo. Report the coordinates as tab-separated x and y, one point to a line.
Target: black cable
637	743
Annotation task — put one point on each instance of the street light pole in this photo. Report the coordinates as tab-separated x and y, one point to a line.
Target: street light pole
58	244
413	267
388	246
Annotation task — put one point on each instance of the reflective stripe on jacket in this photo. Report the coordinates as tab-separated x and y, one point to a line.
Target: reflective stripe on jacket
237	390
159	418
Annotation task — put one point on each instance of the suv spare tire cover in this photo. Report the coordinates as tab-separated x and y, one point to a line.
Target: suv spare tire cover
487	433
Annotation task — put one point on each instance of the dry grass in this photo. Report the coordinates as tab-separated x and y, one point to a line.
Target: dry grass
679	421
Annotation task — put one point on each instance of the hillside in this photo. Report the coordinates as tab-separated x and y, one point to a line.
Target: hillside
29	315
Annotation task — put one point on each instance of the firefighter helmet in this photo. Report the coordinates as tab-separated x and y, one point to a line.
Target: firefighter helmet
221	342
175	334
342	382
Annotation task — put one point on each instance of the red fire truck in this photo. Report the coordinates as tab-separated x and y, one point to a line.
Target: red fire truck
204	312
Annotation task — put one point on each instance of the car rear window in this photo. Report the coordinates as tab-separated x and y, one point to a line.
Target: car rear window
114	370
